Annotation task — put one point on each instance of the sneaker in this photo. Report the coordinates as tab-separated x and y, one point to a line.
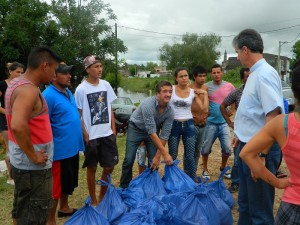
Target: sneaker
205	175
227	174
10	182
233	188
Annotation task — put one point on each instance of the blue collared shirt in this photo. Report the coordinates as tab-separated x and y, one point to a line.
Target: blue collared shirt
148	118
261	95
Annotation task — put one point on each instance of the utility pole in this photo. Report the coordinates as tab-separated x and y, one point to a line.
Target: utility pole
279	60
116	59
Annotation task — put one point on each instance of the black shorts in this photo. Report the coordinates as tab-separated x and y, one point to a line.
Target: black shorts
65	176
101	150
3	122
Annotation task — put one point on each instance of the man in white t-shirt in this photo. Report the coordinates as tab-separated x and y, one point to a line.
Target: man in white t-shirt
93	99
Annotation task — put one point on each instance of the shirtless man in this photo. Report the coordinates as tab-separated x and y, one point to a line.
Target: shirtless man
199	113
30	138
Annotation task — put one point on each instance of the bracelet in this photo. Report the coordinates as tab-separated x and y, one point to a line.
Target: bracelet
262	155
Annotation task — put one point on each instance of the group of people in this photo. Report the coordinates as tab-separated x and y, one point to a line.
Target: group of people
47	130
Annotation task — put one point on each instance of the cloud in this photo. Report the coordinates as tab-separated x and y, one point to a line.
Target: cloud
223	17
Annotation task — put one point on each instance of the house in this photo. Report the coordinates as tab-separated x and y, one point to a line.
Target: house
232	63
162	71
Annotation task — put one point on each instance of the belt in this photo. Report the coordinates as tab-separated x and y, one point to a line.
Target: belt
200	125
135	126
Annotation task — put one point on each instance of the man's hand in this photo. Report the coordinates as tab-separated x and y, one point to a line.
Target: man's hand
168	159
86	138
155	162
40	158
234	142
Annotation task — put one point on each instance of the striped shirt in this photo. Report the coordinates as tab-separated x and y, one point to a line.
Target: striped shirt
40	132
234	97
148	118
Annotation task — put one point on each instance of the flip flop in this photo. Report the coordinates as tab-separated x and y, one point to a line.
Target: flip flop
64	214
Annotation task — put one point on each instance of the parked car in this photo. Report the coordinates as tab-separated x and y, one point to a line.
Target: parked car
123	108
288	95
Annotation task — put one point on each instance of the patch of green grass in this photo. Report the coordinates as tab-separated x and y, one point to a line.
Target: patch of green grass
6	200
143	85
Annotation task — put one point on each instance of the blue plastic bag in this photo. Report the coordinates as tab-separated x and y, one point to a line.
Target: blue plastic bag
175	180
153	185
146	185
139	216
131	196
112	206
221	189
87	215
221	207
215	209
155	206
190	212
175	198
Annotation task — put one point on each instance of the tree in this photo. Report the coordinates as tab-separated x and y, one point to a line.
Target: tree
296	51
150	66
73	31
22	25
192	50
83	30
132	69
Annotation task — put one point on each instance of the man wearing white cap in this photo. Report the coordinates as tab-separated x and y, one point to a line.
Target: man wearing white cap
93	99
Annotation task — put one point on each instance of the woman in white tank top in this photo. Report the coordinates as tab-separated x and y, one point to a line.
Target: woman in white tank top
183	125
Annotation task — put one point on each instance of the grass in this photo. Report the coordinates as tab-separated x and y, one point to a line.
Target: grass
142	85
78	197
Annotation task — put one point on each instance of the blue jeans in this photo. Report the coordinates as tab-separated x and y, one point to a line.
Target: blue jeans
235	168
199	135
134	138
185	129
214	131
256	199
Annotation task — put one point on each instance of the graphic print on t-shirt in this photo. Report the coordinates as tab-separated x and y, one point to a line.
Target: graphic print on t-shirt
98	107
181	104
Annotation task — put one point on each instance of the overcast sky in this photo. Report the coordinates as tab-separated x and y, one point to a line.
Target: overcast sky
280	20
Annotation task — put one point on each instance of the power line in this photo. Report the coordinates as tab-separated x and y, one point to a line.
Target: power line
294	39
223	36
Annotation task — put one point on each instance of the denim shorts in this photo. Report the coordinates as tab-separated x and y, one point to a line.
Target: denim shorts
32	196
211	133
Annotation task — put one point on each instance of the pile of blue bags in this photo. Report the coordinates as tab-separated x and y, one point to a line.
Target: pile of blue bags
151	200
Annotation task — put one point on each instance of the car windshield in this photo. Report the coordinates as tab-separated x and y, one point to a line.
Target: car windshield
123	101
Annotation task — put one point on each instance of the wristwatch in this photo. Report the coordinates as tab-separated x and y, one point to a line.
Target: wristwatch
262	155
